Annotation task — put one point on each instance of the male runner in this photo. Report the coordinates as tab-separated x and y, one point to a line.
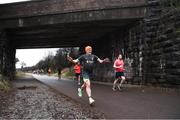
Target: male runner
87	60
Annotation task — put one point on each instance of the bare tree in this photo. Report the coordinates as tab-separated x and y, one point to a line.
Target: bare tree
23	64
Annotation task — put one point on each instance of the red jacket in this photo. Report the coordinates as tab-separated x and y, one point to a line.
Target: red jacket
77	68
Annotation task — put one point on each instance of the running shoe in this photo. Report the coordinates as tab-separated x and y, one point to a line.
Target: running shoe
91	101
79	83
120	88
79	92
114	89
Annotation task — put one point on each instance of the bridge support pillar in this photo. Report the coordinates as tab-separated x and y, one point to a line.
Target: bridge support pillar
151	27
1	59
1	52
7	57
9	62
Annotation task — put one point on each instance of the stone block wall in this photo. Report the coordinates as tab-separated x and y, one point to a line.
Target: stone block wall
153	45
162	47
150	47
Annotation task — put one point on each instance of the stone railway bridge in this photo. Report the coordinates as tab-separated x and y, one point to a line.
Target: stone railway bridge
110	26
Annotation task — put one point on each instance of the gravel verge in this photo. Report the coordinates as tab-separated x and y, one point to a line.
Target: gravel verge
30	99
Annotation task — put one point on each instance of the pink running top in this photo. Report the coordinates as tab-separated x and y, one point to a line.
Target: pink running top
119	65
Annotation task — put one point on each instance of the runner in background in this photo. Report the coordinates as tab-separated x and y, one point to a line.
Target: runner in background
119	73
49	71
59	73
77	71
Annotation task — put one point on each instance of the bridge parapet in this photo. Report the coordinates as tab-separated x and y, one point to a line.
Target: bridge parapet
29	9
48	12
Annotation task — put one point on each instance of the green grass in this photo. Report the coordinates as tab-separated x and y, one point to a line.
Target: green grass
178	30
4	84
20	74
69	73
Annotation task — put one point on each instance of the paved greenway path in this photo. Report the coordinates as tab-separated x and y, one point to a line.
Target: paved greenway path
132	103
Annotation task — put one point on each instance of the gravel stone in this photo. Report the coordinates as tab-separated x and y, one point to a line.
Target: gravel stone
31	99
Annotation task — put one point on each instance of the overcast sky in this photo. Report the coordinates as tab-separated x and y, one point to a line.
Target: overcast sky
11	1
32	56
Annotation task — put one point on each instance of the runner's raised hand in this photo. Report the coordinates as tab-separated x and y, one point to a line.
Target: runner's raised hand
69	58
106	60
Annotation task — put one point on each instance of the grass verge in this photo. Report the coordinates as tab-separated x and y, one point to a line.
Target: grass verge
4	84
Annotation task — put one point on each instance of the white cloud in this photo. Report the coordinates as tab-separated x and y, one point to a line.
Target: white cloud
11	1
32	56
